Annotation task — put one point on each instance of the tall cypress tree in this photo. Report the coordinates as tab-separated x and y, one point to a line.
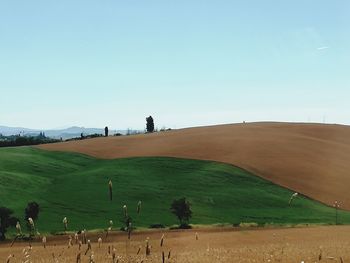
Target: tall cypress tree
149	124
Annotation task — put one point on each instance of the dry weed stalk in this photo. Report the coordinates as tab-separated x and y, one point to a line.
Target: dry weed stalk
92	257
109	229
320	255
125	209
113	255
129	230
83	234
43	240
148	247
88	246
65	223
162	240
292	198
70	241
31	225
76	238
9	258
26	254
78	259
110	188
336	206
138	207
18	228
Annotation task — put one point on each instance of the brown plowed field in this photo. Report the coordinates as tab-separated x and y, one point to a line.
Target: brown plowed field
313	159
295	245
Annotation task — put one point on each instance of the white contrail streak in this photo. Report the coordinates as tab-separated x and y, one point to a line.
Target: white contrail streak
321	48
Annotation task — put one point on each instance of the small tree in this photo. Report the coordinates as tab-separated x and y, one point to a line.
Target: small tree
182	209
31	211
149	124
6	221
106	131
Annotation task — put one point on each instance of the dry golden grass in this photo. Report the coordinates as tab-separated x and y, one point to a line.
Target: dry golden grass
331	244
312	159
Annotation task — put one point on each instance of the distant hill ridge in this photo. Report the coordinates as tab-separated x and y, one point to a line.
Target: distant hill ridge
66	133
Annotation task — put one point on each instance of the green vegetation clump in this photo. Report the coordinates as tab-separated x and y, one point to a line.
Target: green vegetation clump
17	140
6	221
84	137
181	208
76	186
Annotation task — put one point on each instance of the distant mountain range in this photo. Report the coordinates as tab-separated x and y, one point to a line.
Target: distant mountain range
67	133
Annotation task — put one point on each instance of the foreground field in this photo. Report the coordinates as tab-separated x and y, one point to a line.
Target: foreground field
76	186
312	159
316	244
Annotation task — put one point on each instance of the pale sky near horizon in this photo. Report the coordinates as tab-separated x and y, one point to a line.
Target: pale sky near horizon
186	63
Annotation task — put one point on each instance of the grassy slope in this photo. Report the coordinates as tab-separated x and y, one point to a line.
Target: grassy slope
313	159
73	185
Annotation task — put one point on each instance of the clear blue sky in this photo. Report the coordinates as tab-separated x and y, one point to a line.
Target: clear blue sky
187	63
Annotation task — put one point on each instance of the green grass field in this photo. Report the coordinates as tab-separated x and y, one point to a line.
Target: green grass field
76	186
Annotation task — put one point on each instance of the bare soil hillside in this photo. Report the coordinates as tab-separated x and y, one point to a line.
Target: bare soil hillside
312	159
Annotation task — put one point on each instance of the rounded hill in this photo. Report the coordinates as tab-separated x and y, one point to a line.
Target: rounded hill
313	159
